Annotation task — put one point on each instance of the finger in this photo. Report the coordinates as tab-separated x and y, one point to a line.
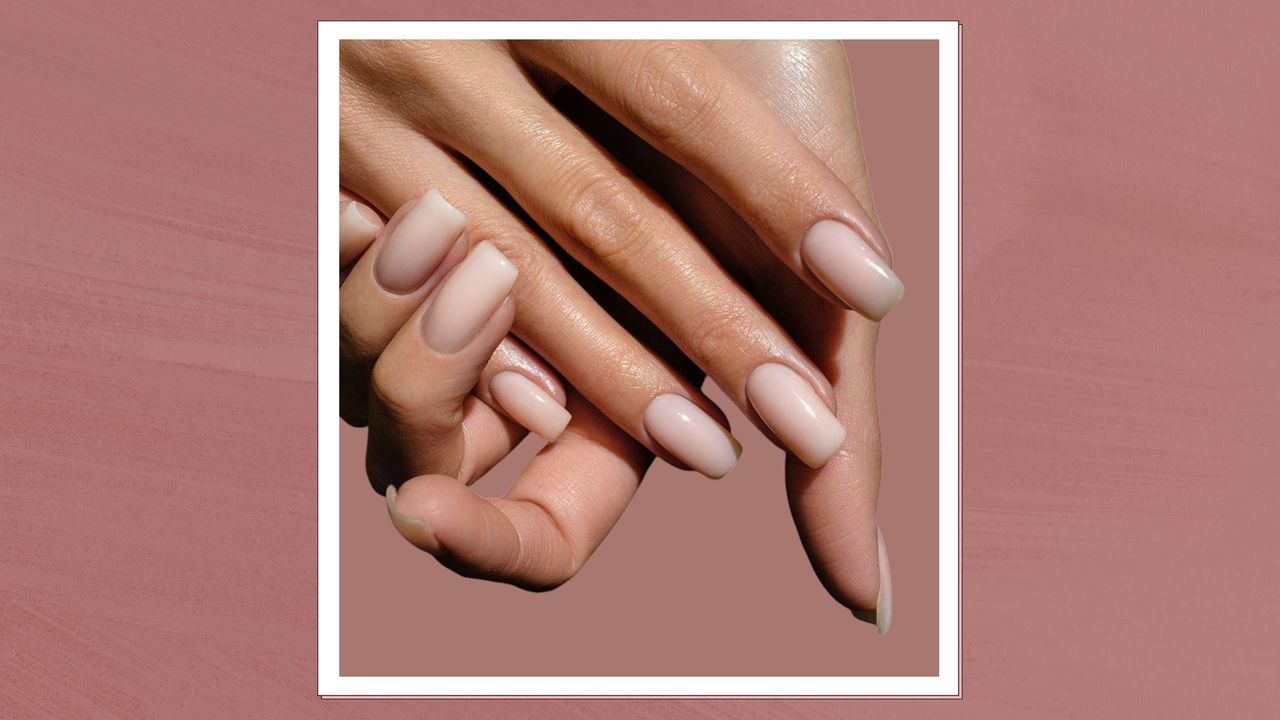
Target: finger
358	225
525	389
489	429
416	249
686	102
622	232
558	320
834	507
421	383
541	533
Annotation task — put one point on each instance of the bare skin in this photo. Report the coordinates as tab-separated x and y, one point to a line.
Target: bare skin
564	504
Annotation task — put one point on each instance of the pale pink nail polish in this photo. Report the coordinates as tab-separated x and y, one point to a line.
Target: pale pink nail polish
418	243
851	269
358	223
795	413
882	615
471	294
691	435
528	404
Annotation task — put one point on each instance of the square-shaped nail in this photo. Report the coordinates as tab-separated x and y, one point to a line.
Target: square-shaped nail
851	269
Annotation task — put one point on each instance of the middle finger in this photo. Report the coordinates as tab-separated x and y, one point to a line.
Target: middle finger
620	230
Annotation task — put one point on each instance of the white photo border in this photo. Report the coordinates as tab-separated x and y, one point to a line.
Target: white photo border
947	683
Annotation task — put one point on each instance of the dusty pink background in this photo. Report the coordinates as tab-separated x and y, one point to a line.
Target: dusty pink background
1121	364
669	593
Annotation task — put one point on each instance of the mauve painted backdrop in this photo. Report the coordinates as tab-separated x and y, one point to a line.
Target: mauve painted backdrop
1121	361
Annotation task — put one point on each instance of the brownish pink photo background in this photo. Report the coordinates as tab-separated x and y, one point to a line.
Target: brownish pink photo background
702	577
1121	363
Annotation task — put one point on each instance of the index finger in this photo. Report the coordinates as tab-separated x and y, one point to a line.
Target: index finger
689	104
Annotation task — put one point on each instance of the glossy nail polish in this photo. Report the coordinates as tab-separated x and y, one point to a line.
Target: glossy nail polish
792	409
467	299
418	243
528	404
691	435
851	269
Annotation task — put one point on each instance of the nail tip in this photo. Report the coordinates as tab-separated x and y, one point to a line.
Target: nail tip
895	296
529	405
499	260
426	538
553	434
851	269
360	215
691	435
873	617
825	456
717	474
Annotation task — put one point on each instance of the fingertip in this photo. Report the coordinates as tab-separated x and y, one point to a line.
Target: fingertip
358	225
882	614
410	524
448	511
528	404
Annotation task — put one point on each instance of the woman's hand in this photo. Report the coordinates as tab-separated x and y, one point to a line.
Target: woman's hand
834	506
446	385
417	114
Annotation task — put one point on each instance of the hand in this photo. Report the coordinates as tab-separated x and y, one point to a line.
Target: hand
834	506
446	386
475	100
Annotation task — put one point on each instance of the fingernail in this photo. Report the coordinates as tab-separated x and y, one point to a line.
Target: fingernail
357	222
471	294
412	528
691	435
882	615
529	404
793	411
418	243
851	269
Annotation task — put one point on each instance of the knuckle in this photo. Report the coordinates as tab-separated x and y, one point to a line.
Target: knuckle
673	92
601	216
721	329
794	193
514	241
355	346
507	235
403	399
386	387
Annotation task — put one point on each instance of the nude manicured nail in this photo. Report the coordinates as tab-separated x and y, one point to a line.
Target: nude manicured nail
792	409
418	243
471	294
528	404
691	435
358	223
882	616
412	529
851	269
